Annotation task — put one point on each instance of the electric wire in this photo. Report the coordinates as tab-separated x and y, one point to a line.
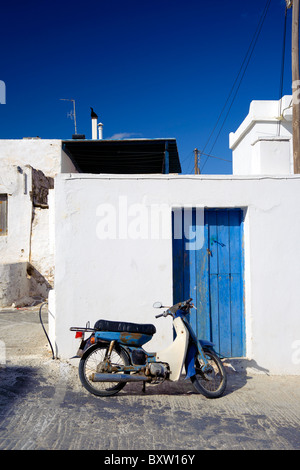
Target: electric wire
282	68
218	158
246	61
187	157
191	167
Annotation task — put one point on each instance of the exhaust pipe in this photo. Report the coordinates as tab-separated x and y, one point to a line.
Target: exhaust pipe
118	378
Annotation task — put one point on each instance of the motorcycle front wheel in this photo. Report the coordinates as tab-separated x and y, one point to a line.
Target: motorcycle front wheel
212	382
91	362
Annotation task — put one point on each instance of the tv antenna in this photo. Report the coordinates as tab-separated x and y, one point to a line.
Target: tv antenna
71	114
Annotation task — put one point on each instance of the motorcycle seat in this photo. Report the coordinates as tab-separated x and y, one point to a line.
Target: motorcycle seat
116	326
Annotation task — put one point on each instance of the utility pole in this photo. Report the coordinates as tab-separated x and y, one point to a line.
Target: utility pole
295	83
197	169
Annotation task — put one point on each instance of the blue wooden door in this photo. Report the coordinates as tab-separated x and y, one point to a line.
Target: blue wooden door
213	277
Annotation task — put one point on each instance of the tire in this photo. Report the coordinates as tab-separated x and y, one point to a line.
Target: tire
89	363
211	384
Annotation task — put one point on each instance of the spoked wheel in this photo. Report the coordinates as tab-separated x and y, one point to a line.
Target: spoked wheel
92	361
212	381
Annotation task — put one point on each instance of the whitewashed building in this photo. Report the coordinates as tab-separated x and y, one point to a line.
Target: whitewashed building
114	256
27	169
117	249
263	143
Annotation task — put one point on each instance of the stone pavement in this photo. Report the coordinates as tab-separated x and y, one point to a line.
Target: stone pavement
44	406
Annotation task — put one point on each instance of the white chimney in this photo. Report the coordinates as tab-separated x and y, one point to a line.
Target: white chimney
100	129
94	128
94	124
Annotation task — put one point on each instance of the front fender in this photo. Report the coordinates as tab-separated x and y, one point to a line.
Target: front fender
190	356
190	361
206	344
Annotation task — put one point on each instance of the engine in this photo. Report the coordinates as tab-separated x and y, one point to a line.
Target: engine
158	370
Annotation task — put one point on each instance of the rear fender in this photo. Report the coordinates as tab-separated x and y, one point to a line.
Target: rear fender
84	345
88	343
93	344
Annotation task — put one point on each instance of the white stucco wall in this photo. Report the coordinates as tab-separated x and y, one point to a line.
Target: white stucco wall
41	249
28	239
263	143
14	246
120	279
43	154
26	252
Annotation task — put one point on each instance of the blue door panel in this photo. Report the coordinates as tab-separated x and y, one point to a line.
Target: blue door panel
202	290
178	271
237	316
224	315
214	309
213	277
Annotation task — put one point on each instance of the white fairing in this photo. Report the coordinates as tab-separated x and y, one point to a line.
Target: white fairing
175	354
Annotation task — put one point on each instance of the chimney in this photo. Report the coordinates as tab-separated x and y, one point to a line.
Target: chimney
94	124
100	129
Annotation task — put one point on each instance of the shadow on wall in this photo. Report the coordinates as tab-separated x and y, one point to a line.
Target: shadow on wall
240	371
21	285
38	285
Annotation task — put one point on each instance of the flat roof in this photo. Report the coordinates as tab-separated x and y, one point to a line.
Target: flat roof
131	156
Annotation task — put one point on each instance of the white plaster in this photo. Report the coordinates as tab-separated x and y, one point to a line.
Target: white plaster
66	165
14	247
29	238
10	291
42	154
262	145
41	250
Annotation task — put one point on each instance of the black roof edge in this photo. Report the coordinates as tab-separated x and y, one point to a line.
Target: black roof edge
69	146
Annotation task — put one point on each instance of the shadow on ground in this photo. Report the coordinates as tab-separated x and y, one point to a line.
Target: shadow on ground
16	383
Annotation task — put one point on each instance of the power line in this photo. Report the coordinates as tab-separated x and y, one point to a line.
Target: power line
192	164
218	158
282	66
249	51
283	54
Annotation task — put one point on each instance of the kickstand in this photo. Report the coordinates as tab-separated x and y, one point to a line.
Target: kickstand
144	387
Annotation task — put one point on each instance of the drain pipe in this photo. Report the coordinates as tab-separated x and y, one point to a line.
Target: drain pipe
40	315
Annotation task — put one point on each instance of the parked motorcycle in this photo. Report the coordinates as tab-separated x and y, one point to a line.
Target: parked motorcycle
113	356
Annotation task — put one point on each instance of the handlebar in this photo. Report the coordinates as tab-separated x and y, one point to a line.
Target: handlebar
160	315
186	304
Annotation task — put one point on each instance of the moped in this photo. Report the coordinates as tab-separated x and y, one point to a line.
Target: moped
113	356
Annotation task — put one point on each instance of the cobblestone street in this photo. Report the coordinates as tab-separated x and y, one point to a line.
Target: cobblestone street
44	406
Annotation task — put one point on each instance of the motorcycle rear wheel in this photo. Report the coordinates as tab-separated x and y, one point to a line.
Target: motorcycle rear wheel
211	384
89	364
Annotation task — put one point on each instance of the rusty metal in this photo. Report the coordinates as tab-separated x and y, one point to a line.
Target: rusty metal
128	338
111	347
118	378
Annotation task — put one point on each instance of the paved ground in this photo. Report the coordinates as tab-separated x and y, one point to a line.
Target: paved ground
43	405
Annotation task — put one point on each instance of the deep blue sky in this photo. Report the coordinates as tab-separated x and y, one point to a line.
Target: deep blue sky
160	68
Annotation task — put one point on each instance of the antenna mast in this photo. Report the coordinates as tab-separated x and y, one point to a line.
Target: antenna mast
73	113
